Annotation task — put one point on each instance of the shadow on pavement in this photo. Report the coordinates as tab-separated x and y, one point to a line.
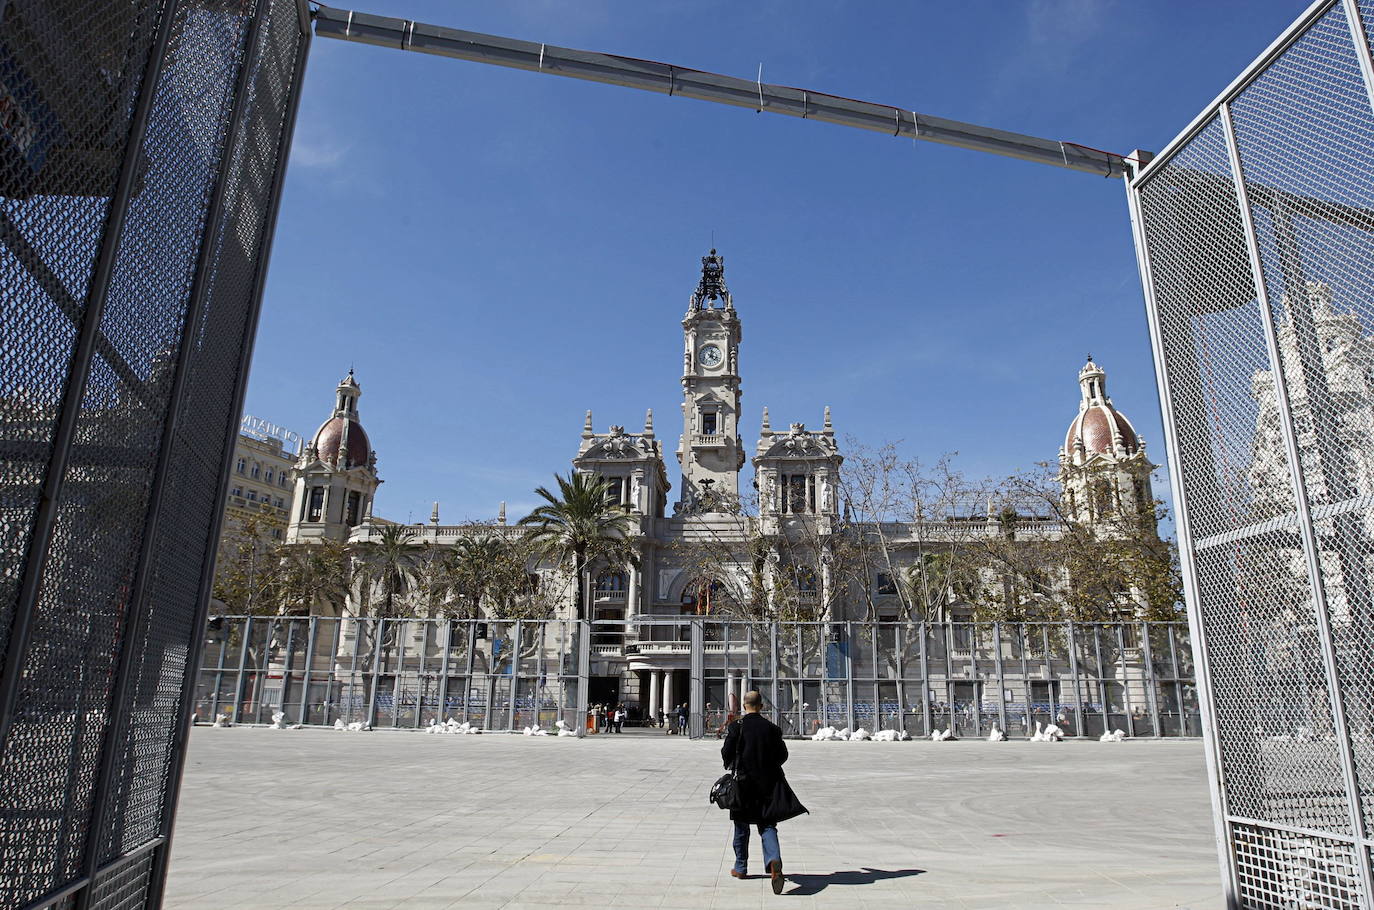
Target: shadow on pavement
814	884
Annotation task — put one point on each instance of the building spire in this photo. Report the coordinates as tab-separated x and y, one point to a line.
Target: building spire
501	513
828	429
649	423
712	284
587	432
767	428
434	514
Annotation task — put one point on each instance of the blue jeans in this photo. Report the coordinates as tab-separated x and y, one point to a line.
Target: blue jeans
768	834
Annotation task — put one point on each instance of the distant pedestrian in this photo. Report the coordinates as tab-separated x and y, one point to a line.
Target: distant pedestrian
682	718
755	748
620	718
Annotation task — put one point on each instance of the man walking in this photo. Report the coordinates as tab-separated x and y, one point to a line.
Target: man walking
757	745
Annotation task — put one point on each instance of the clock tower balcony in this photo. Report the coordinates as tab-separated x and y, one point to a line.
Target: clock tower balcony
711	441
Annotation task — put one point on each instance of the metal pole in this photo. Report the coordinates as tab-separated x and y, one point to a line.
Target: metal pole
1001	676
696	679
949	674
243	670
773	650
1151	694
1101	678
1077	683
1127	706
286	665
472	657
514	676
398	674
440	714
332	690
849	672
309	665
668	79
1304	515
977	705
1188	569
1026	677
219	669
584	672
378	636
925	680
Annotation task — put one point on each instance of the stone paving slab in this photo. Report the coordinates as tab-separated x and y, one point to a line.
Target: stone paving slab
371	821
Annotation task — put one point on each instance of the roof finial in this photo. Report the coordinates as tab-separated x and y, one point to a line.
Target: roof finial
767	428
434	514
587	432
649	423
828	429
501	513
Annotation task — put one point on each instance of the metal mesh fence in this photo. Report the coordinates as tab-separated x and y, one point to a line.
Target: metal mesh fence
505	675
1256	235
139	168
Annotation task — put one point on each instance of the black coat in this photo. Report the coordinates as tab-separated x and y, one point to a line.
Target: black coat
761	750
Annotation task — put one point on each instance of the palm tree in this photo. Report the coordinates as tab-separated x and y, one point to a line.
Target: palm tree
580	522
390	560
310	572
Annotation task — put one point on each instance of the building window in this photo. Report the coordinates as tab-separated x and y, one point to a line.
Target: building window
355	504
252	495
615	490
279	503
885	584
237	491
608	582
283	478
276	533
806	580
270	475
708	423
256	468
242	466
798	493
315	506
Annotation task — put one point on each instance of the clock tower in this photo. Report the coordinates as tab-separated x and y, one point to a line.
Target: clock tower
710	451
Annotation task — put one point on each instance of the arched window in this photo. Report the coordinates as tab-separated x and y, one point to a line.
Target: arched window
702	596
241	466
257	468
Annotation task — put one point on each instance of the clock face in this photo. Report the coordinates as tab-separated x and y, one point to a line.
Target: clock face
710	355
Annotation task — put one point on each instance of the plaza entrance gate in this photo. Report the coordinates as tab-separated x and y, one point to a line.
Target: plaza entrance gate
141	153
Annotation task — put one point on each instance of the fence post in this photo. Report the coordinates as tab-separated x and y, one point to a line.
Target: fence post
243	669
471	663
584	673
442	692
1001	676
219	669
925	678
1151	694
514	675
696	682
1077	688
1029	695
286	665
331	677
377	639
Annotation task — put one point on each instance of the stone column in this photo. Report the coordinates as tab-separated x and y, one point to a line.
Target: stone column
669	705
632	593
655	692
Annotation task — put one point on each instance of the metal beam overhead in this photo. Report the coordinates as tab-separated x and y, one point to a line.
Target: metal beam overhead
668	79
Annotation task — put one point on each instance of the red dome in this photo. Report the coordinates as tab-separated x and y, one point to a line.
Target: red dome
1097	425
328	438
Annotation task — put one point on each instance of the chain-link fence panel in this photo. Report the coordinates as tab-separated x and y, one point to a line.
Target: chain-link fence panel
139	171
1256	235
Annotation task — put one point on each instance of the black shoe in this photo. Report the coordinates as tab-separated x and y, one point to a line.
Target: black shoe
775	870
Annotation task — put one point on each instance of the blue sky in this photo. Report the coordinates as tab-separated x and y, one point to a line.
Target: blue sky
496	251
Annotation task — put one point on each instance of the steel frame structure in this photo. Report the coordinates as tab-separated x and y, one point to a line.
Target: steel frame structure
162	170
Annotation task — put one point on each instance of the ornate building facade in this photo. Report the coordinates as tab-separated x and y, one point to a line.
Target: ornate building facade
777	559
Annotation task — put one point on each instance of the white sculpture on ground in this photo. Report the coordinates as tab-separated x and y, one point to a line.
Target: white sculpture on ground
826	734
221	720
860	735
891	736
278	721
942	736
1115	736
1053	734
1038	736
996	736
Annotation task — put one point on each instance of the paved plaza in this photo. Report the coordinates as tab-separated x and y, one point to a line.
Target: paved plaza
319	819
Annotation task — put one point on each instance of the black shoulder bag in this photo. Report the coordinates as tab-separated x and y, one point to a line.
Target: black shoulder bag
725	791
